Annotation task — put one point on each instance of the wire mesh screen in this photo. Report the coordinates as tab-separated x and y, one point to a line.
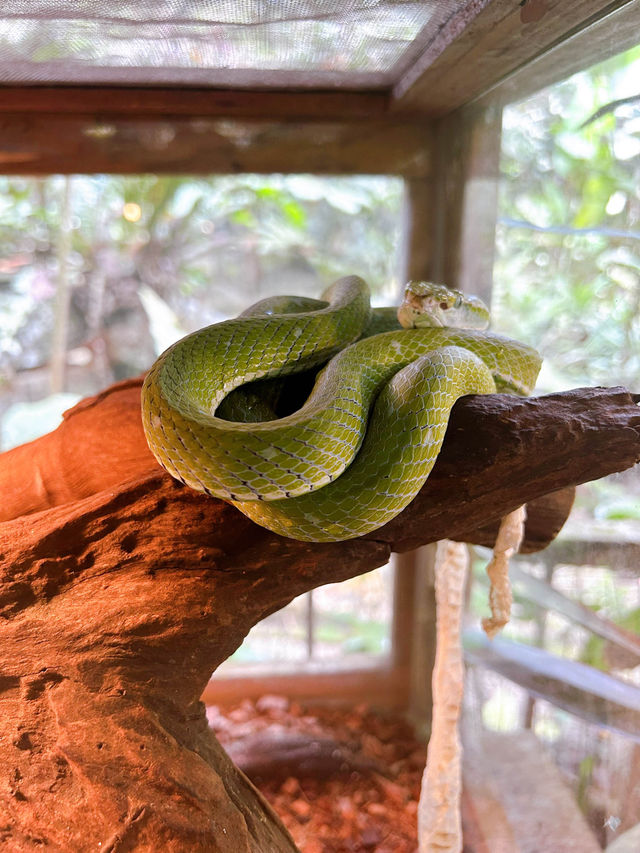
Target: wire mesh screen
202	42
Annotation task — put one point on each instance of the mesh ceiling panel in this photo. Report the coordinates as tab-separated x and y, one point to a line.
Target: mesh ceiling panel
362	43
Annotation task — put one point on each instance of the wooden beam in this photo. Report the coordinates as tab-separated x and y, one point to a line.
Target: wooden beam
413	627
422	636
619	551
383	687
606	37
136	102
475	49
66	144
484	43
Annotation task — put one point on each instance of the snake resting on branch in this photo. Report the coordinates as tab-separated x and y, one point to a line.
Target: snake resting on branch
221	415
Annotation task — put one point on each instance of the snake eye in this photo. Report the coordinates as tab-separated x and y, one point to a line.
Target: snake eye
444	305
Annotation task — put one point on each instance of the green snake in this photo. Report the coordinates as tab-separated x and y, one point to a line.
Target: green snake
355	452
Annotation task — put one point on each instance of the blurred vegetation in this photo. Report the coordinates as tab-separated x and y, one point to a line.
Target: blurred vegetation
206	246
98	274
567	272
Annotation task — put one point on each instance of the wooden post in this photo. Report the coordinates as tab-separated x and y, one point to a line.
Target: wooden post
414	613
466	194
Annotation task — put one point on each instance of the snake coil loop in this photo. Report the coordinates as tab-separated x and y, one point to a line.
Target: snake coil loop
362	444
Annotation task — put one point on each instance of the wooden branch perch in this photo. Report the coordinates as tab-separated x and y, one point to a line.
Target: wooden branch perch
122	590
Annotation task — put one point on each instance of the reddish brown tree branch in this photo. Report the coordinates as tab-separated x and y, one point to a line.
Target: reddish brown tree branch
122	591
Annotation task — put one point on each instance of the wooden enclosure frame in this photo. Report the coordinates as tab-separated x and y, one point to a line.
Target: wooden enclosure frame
438	128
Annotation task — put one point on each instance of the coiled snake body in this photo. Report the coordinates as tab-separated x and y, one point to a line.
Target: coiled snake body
361	446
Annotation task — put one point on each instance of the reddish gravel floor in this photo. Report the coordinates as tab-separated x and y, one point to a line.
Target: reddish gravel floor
341	780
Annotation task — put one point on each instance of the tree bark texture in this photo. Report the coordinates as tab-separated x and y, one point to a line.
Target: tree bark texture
121	591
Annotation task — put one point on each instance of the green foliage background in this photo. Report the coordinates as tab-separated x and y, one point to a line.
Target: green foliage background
567	272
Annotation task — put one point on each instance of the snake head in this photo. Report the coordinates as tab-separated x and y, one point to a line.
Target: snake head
429	304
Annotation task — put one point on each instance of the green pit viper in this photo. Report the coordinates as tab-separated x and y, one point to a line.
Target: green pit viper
353	454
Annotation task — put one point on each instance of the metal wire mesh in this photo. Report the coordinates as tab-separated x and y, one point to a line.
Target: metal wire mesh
201	42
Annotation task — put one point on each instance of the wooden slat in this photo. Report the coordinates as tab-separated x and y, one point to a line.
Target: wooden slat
548	598
59	144
581	690
462	62
382	687
404	594
119	101
414	607
617	548
515	799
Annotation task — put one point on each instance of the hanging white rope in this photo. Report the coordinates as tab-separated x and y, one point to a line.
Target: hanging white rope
439	820
508	541
439	824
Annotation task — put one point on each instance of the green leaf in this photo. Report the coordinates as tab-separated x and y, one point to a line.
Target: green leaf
295	214
243	217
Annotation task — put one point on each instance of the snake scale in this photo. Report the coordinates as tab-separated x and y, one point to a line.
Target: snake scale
352	455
